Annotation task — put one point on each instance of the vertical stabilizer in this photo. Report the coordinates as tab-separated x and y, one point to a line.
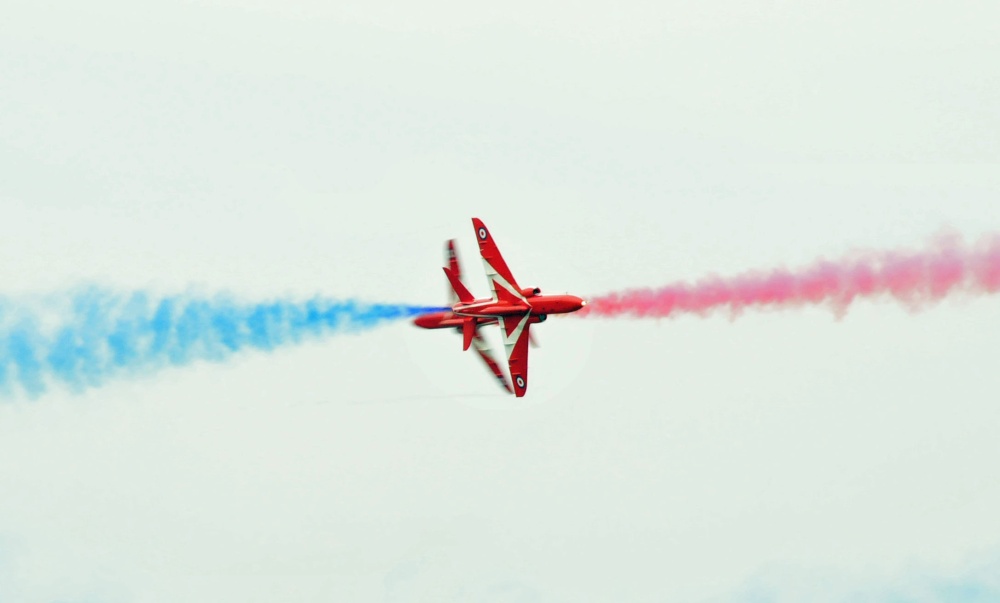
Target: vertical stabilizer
451	257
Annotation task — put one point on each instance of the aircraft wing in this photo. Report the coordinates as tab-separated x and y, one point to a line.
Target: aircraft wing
515	332
497	271
484	352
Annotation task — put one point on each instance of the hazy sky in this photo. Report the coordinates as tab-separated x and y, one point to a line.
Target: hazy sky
266	149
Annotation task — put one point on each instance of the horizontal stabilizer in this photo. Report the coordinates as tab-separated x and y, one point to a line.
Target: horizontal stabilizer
456	284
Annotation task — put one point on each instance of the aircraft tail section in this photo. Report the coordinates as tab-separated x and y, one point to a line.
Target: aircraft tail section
452	257
468	332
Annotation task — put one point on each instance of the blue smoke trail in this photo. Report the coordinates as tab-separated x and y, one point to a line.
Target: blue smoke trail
85	338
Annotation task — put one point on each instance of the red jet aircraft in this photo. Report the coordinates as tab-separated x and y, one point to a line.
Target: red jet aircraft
513	308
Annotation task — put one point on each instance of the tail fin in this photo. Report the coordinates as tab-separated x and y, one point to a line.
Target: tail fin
468	332
451	257
460	290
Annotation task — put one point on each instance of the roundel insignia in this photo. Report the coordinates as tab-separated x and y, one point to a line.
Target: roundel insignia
482	233
520	381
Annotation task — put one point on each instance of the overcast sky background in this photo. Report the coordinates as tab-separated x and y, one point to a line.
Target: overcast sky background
272	149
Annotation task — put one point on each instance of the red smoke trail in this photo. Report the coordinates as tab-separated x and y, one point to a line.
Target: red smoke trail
911	277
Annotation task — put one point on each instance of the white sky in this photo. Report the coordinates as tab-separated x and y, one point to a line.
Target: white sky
265	148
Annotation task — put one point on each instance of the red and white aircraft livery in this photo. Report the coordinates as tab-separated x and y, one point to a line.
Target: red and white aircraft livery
513	308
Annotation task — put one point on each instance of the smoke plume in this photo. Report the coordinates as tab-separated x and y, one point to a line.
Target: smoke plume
914	278
81	339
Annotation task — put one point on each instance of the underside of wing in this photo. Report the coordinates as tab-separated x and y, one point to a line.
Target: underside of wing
484	352
515	332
